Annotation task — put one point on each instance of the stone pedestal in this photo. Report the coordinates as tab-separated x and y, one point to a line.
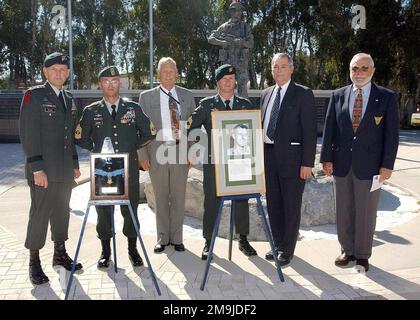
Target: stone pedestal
317	204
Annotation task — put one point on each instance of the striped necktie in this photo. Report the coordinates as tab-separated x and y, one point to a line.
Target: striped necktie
356	117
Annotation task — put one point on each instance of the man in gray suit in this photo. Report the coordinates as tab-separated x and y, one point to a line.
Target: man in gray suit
166	158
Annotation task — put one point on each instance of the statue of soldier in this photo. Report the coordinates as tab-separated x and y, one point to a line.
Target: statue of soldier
236	40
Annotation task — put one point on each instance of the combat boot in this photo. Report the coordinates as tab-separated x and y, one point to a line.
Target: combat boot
61	258
104	259
133	254
36	274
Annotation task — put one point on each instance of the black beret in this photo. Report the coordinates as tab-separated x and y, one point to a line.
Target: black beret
56	58
224	70
110	71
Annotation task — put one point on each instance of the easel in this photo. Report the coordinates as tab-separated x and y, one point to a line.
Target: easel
110	203
232	218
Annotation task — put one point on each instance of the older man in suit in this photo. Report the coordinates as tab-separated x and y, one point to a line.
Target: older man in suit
289	123
167	105
360	141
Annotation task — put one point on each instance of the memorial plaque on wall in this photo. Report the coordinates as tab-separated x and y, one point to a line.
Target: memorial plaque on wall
109	176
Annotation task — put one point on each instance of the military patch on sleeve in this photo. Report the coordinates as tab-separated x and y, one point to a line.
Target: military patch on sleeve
152	129
78	132
27	97
189	123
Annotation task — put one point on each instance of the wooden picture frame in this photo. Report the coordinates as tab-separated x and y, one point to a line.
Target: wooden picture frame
238	152
109	176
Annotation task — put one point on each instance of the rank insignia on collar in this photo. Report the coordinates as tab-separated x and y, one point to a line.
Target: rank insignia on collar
378	120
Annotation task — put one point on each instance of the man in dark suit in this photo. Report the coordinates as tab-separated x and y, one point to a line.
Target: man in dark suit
360	141
289	123
225	100
47	118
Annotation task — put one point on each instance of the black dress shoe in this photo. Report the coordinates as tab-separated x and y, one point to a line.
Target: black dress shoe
159	248
179	247
103	261
206	249
363	263
36	274
246	248
135	259
269	256
61	258
343	260
284	260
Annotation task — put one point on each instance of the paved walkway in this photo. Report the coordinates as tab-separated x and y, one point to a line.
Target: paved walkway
394	274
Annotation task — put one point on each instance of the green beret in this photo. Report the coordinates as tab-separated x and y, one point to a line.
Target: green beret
110	71
224	70
56	58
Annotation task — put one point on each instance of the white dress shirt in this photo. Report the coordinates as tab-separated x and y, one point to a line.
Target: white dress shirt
270	107
108	105
57	92
166	114
230	99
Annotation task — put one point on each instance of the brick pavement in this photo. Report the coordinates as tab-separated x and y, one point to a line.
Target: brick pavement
311	276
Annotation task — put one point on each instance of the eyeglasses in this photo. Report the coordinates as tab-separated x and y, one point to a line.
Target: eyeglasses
362	69
108	82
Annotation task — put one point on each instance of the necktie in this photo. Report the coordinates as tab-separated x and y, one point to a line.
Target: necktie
114	113
173	108
274	116
357	110
61	98
227	102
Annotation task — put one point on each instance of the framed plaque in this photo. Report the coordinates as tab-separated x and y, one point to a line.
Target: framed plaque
109	176
237	152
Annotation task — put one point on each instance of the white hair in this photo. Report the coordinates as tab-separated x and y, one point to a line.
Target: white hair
363	56
164	60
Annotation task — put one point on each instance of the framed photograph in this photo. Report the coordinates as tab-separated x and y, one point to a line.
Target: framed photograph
109	176
237	152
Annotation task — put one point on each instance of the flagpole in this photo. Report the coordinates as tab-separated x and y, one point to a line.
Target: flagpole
70	44
151	42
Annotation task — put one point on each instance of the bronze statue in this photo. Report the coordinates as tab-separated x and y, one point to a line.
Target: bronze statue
236	40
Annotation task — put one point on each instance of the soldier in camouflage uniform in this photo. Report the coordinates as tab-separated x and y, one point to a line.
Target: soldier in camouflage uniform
225	100
129	129
47	118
